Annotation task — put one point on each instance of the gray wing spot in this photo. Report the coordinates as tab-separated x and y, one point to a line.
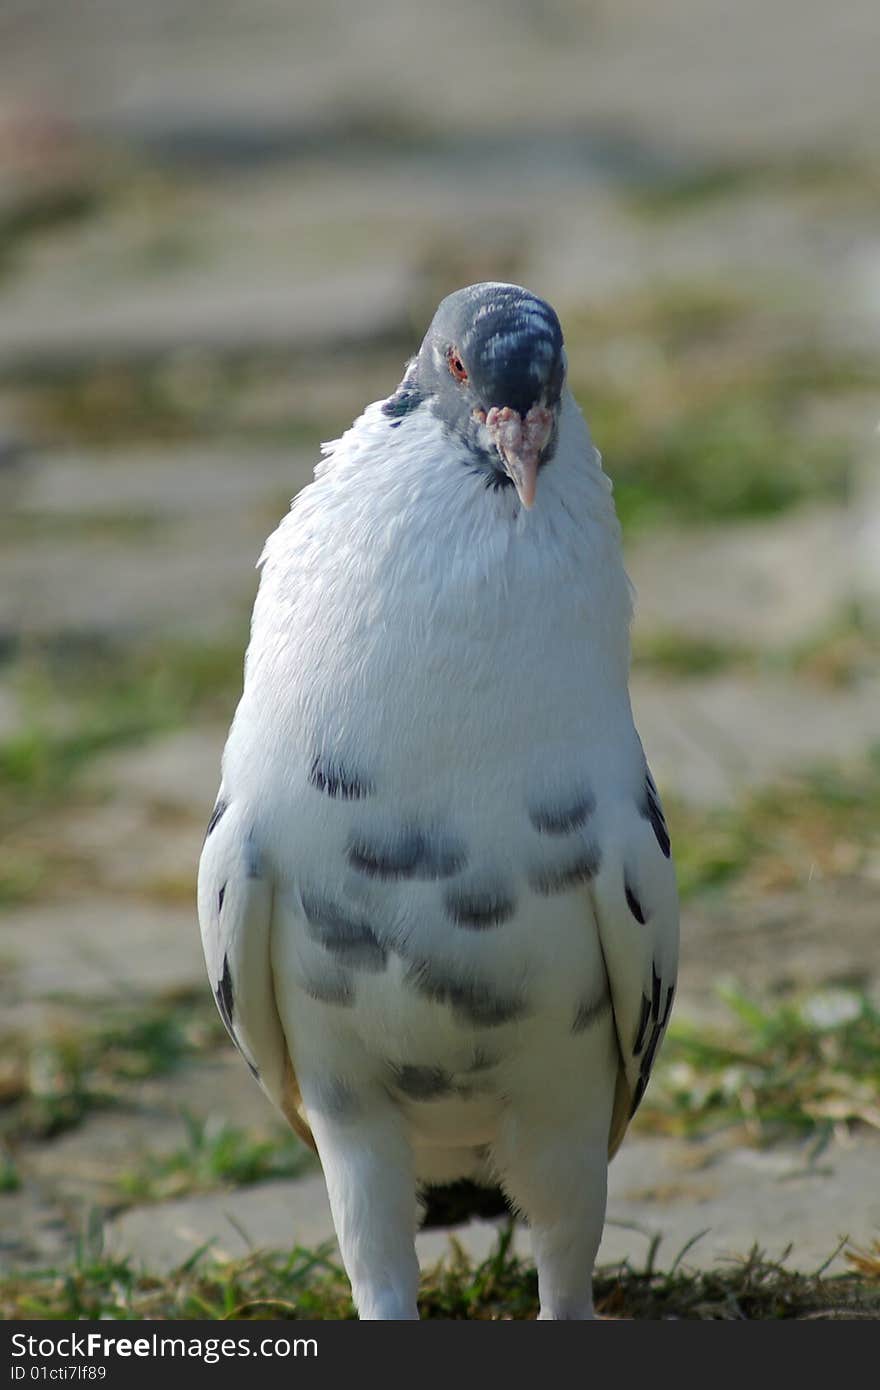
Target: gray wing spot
349	938
478	911
591	1011
563	816
409	853
334	779
559	878
471	1002
422	1083
329	987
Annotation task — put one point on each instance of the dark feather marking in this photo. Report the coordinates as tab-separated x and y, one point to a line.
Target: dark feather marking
650	1011
478	911
634	905
226	1006
643	1024
407	398
449	1204
411	854
591	1012
219	811
224	996
549	879
422	1083
350	938
220	896
637	1097
482	1061
650	1051
670	995
493	479
651	810
399	859
471	1002
331	989
254	858
337	782
561	820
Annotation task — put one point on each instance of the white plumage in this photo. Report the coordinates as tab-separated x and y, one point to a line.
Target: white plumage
436	897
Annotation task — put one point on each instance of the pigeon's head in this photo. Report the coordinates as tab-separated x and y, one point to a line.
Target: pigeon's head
492	369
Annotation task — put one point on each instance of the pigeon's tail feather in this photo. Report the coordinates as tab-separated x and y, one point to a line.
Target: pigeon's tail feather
620	1115
451	1203
235	913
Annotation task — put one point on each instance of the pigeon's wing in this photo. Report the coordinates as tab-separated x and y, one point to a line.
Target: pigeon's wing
235	914
635	899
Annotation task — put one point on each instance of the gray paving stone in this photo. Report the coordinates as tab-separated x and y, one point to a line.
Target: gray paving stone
711	740
761	584
101	948
34	1230
180	770
208	313
739	1199
269	68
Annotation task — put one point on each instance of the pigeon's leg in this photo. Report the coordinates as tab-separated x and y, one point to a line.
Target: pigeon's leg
368	1166
554	1168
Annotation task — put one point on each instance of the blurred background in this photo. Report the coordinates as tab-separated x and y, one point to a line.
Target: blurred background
224	226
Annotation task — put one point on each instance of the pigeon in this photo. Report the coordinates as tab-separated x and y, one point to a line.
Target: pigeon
437	898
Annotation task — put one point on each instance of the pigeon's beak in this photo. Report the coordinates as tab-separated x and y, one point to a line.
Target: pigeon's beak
520	440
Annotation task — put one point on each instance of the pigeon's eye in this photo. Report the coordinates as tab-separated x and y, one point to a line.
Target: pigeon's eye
456	366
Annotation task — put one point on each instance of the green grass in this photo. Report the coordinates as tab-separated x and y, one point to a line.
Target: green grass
819	822
44	528
796	1068
699	398
704	186
842	652
260	400
64	1076
84	702
303	1285
81	701
709	461
215	1156
789	1069
37	211
684	657
10	1179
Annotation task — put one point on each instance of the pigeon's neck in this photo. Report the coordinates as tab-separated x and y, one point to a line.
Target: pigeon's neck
409	494
400	596
397	544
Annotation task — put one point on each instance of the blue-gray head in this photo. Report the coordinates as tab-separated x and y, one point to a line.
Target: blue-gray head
492	369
